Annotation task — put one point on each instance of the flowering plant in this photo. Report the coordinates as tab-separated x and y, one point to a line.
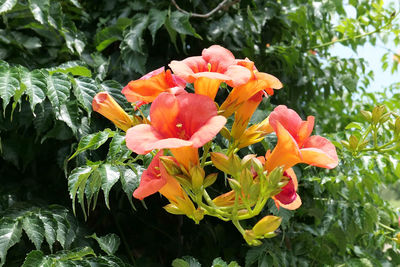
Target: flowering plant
180	129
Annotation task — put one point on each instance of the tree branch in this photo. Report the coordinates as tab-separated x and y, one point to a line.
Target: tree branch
223	4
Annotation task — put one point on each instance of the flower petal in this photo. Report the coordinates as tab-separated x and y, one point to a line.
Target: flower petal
151	180
219	57
288	118
208	131
238	75
206	86
286	152
292	206
194	111
319	151
163	114
139	136
187	67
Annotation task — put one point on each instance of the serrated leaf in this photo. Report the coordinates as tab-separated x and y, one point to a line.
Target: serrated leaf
186	261
50	227
10	234
7	5
130	180
133	36
9	84
109	243
156	20
85	90
92	188
34	229
40	10
111	34
36	258
91	142
74	254
69	113
117	144
76	180
134	61
58	89
114	88
180	23
35	83
76	68
109	176
60	216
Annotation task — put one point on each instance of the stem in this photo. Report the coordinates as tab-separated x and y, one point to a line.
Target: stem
386	227
357	36
238	226
206	148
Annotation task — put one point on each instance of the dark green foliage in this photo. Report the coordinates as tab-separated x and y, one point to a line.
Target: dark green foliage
56	55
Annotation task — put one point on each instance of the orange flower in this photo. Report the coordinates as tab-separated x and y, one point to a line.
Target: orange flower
295	145
104	104
147	88
181	123
259	82
215	65
156	179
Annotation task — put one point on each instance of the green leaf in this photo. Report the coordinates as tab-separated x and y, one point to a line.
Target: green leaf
35	83
58	89
68	113
7	5
130	180
64	234
10	234
76	68
108	35
34	229
9	83
156	20
50	227
114	88
180	23
92	188
134	61
133	36
85	89
36	258
76	180
117	146
109	176
91	142
74	254
354	125
40	10
109	243
186	261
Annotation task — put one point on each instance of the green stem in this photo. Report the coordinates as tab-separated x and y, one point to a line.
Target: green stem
386	227
206	149
238	226
357	36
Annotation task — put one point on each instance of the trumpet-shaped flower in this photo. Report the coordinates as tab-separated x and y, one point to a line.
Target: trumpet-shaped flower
288	197
259	82
104	104
181	123
147	88
215	65
156	179
295	145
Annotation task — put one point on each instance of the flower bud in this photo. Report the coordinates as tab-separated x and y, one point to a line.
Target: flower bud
170	165
210	179
367	115
221	162
197	176
104	104
235	185
171	208
397	126
377	113
266	225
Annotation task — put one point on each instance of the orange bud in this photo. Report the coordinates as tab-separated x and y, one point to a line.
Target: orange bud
266	225
104	104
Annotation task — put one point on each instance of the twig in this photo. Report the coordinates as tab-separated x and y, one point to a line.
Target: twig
223	4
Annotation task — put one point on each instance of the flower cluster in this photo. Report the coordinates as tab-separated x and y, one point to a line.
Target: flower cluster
180	129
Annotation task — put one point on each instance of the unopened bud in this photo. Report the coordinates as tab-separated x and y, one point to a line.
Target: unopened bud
235	185
353	142
266	225
377	113
246	180
198	215
275	176
221	162
170	165
367	115
225	133
384	118
197	176
397	126
210	179
171	208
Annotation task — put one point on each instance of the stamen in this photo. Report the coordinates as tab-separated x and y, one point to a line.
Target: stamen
209	67
179	125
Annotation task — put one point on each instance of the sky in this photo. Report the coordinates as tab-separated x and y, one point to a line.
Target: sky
372	55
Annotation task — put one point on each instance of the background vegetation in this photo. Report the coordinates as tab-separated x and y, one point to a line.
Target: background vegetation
57	54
